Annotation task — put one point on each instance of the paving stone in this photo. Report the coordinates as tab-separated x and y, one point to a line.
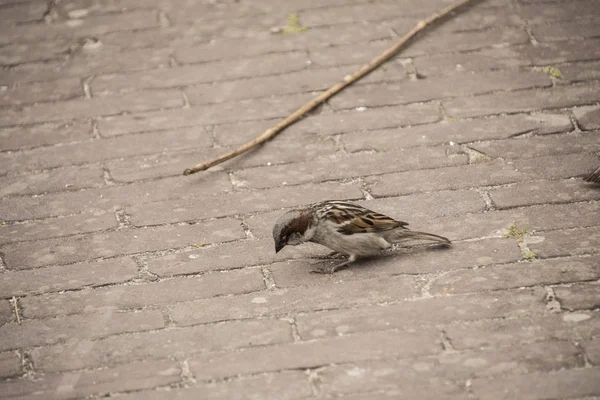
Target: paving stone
565	30
588	117
56	180
420	393
128	377
63	89
457	131
578	296
384	94
592	350
294	82
369	119
580	71
142	295
540	192
568	242
326	124
239	203
564	383
221	47
172	343
428	312
27	255
508	57
30	11
97	106
539	146
579	9
451	178
480	18
165	164
234	111
229	256
556	167
17	53
496	223
358	12
55	227
82	27
463	41
10	365
280	386
427	205
208	72
418	260
524	100
77	327
108	198
496	333
6	312
413	384
351	348
346	166
67	277
102	60
537	272
399	374
95	150
361	54
43	134
330	293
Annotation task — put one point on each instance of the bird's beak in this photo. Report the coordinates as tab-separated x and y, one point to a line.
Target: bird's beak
278	247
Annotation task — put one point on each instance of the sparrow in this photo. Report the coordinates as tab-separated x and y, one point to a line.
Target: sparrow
345	228
593	176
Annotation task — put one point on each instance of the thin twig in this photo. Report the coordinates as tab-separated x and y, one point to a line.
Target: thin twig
15	305
349	79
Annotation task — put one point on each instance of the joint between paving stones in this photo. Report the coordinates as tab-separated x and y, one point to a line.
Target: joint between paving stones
27	365
552	303
86	86
268	278
446	342
487	199
163	20
186	99
95	131
123	219
586	359
2	263
144	274
314	380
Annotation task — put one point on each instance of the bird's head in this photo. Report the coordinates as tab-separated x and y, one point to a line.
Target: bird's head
291	229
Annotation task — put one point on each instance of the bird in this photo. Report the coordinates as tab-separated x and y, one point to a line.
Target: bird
593	177
346	228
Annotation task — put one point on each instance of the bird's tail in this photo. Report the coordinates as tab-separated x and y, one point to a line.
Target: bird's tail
406	234
594	176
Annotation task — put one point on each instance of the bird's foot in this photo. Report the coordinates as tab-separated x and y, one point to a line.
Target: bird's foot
330	269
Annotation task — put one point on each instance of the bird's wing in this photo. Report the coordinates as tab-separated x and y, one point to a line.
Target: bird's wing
351	218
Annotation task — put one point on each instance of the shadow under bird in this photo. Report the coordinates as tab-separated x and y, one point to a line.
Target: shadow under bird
346	228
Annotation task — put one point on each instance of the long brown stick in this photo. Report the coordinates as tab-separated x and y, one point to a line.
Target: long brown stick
296	115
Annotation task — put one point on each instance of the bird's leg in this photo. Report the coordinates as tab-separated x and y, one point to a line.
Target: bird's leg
331	269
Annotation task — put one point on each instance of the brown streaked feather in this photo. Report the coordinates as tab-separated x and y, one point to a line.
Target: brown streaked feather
299	224
593	176
353	218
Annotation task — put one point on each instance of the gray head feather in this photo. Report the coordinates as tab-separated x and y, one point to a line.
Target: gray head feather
289	228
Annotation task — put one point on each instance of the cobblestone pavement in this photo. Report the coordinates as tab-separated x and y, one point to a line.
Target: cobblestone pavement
121	278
